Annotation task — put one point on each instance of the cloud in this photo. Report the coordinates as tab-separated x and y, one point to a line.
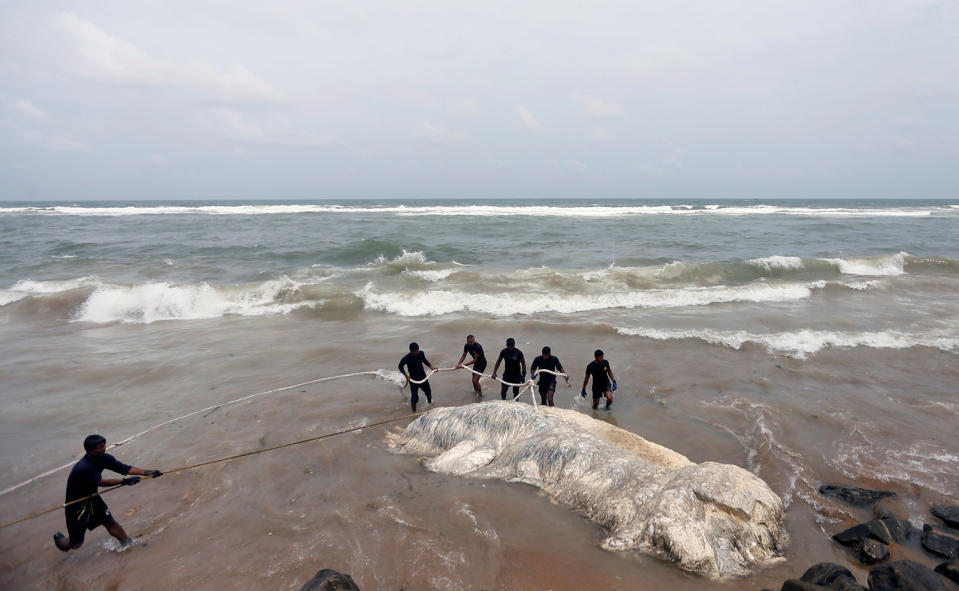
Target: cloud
599	108
272	130
601	135
438	135
28	111
529	121
463	107
102	56
40	138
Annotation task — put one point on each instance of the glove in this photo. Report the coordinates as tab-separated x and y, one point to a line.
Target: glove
532	375
614	385
130	481
583	393
153	473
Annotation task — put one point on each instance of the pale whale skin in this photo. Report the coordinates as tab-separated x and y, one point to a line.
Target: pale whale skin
714	519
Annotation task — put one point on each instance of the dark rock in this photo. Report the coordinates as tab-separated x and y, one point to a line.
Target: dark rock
899	529
798	585
831	576
949	515
904	575
949	569
871	551
940	540
874	529
330	580
853	494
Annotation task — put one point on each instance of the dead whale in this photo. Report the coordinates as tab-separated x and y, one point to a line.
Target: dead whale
709	518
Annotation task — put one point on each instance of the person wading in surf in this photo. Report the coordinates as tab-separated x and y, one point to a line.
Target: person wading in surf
604	382
547	381
514	370
478	362
83	481
414	361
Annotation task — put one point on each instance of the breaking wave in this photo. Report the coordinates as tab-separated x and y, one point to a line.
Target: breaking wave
575	211
801	343
447	301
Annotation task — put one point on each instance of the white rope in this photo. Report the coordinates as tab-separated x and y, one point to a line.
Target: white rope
189	414
529	384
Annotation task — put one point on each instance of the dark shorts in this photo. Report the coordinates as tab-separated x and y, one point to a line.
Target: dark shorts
89	514
600	392
546	384
480	365
414	389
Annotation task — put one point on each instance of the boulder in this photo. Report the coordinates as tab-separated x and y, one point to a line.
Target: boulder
867	541
950	569
874	529
330	580
899	529
871	551
829	575
709	518
800	585
904	575
940	540
853	494
949	515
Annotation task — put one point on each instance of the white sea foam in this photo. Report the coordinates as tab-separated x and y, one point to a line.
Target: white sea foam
579	211
152	302
777	262
436	302
8	297
887	265
30	287
803	342
431	275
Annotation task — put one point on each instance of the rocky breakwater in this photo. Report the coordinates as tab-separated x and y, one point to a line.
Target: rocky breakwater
709	518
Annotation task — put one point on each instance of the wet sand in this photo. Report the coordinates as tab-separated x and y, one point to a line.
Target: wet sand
272	520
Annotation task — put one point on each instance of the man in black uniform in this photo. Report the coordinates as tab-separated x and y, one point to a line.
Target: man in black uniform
83	481
514	370
414	361
604	382
478	362
547	381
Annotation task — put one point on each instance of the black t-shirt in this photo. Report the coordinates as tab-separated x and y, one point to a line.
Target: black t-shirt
84	479
599	371
475	350
415	363
512	359
552	363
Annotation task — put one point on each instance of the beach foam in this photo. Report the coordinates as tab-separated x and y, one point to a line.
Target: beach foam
152	302
446	301
803	342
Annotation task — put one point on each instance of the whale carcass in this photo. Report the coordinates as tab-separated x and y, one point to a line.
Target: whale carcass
709	518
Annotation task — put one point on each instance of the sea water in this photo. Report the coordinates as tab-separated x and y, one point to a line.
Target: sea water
807	341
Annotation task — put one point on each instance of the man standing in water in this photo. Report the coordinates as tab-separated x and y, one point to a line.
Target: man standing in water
478	362
604	382
414	361
83	481
514	370
547	381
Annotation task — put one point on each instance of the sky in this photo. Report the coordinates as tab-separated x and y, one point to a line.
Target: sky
684	99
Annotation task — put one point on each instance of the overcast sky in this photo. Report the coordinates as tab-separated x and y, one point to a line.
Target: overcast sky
297	100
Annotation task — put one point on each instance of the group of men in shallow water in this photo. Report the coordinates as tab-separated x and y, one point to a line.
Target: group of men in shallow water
85	510
413	367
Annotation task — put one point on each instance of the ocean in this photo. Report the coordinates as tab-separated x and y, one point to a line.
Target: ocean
808	341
